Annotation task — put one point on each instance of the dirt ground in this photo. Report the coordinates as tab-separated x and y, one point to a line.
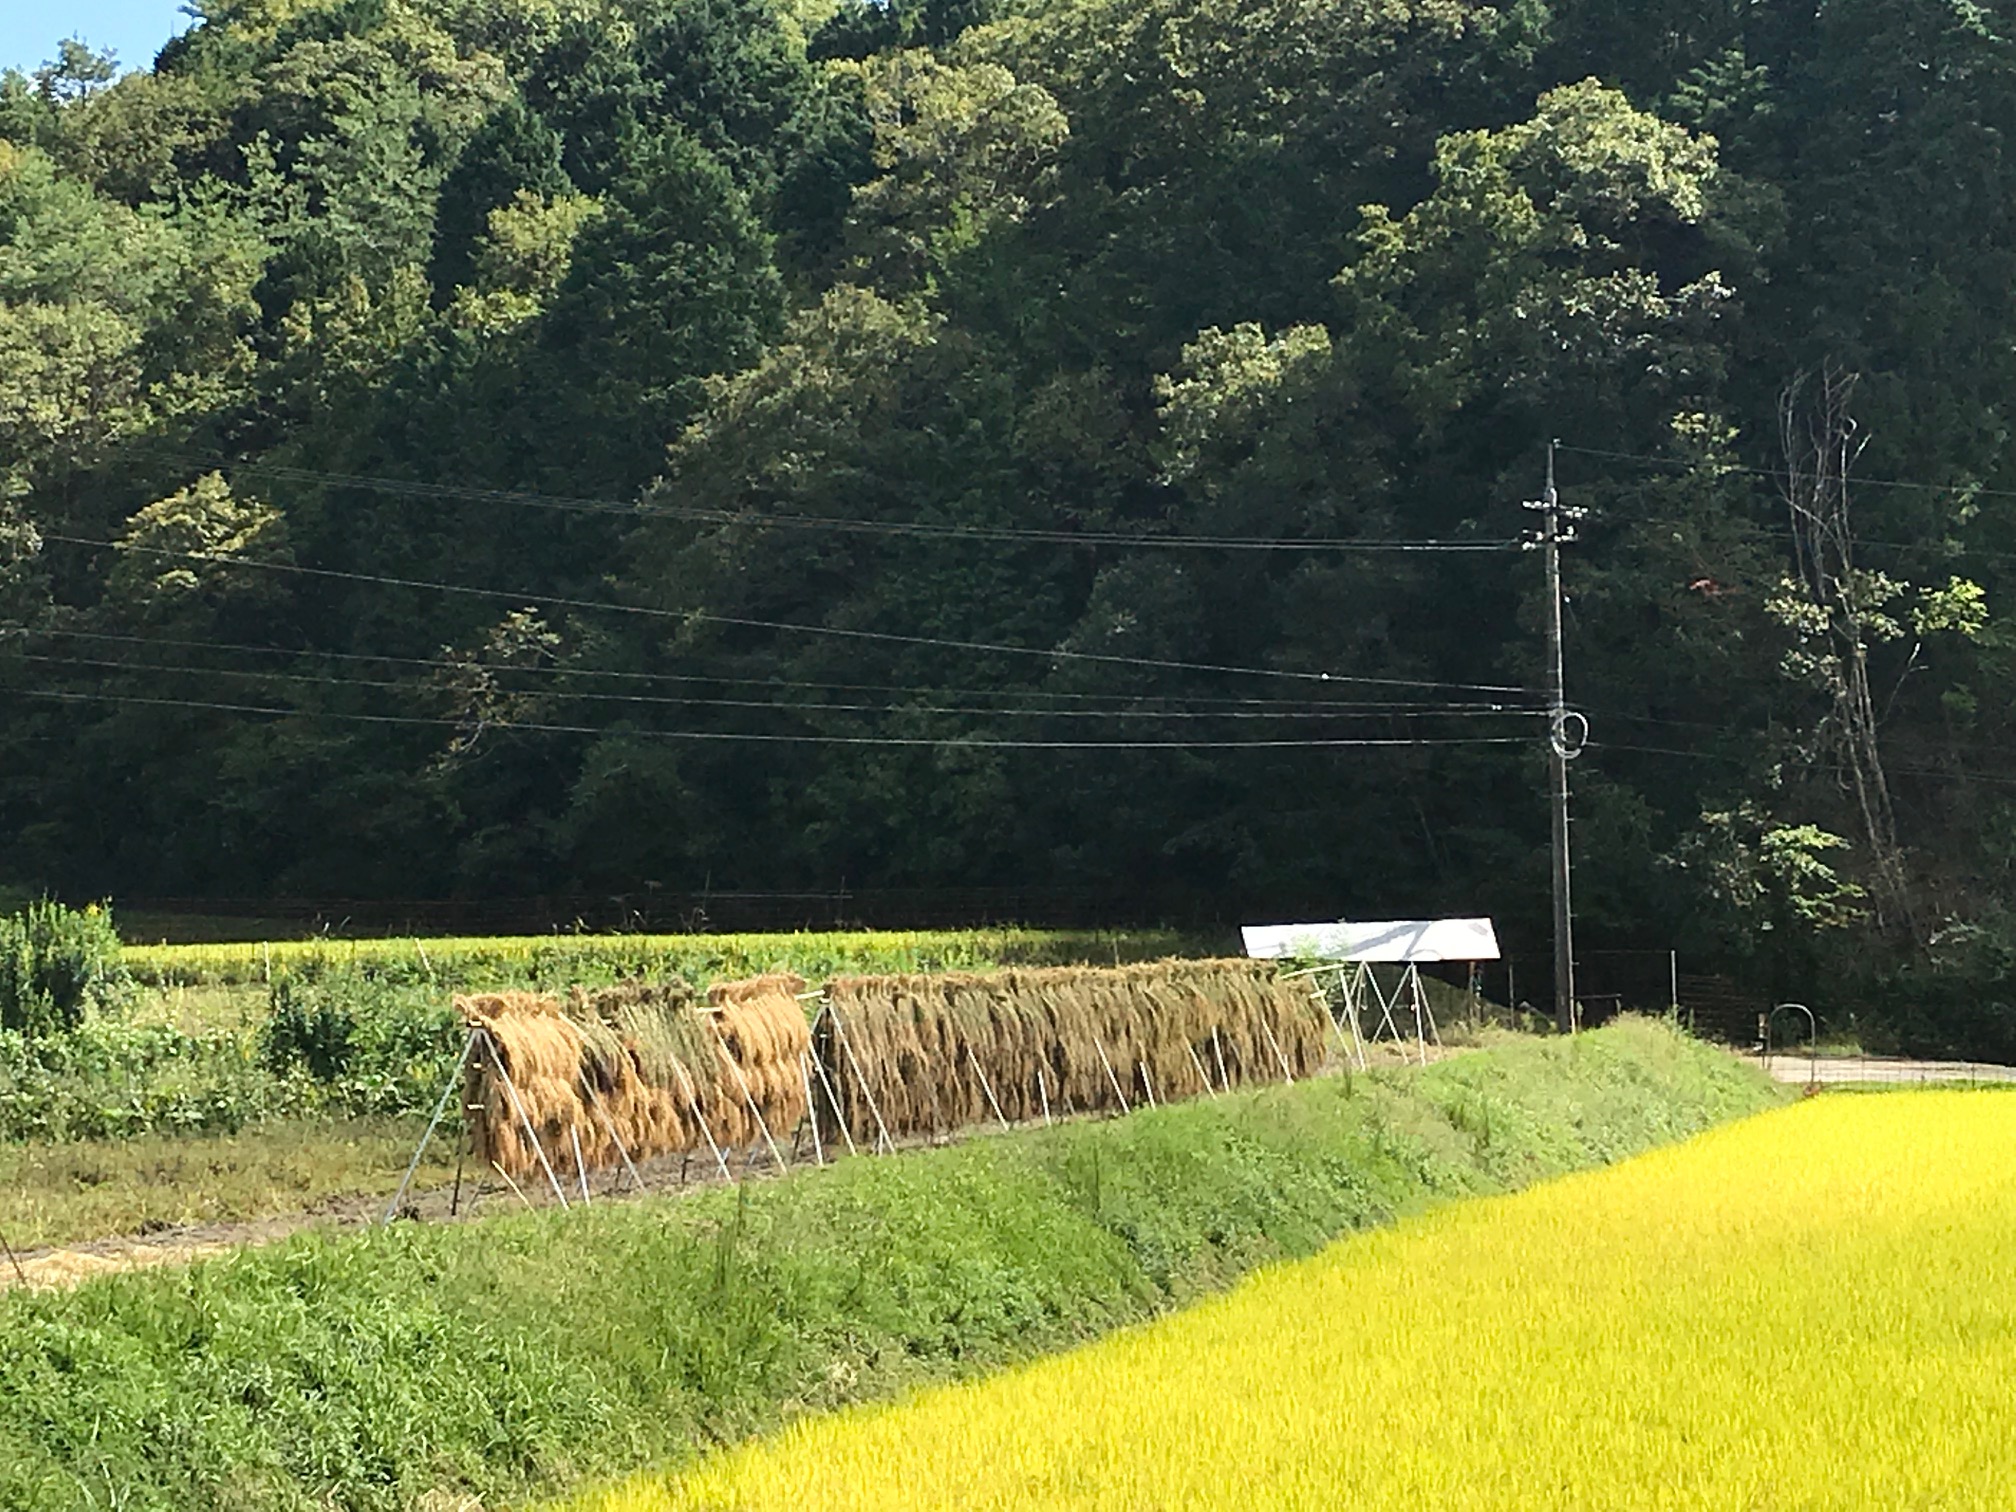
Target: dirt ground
669	1175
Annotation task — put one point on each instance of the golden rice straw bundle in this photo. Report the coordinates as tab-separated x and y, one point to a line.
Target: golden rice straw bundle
636	1070
935	1053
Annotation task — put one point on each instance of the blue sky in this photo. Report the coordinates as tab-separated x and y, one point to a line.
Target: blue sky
134	29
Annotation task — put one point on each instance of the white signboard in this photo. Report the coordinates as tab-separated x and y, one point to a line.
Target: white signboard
1421	941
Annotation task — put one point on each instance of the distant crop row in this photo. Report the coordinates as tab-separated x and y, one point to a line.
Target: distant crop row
562	959
1808	1310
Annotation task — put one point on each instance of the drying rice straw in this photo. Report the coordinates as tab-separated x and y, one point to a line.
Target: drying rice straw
1124	1108
524	1117
1211	1091
1287	1075
609	1128
693	1101
749	1097
987	1087
881	1129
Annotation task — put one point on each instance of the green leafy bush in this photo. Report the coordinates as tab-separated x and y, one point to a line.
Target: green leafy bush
355	1042
55	962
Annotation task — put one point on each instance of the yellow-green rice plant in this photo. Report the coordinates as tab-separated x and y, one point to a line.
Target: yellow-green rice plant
1811	1309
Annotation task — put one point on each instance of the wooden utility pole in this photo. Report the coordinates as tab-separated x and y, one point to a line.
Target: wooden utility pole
1566	732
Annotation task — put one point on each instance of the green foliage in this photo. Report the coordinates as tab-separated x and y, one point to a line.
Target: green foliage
334	286
508	1357
57	963
366	1044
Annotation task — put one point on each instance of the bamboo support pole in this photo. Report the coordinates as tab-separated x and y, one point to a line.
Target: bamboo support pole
609	1128
441	1107
511	1184
986	1086
1124	1107
580	1165
833	1102
749	1099
1287	1075
1202	1079
811	1110
524	1118
846	1045
693	1102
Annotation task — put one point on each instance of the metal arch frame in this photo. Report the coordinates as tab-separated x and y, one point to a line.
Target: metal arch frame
1812	1040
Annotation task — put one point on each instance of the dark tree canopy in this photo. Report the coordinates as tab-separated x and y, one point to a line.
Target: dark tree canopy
518	447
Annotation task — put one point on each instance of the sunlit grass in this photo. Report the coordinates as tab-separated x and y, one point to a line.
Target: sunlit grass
89	1189
813	953
1814	1308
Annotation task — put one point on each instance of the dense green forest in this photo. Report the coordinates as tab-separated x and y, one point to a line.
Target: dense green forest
508	447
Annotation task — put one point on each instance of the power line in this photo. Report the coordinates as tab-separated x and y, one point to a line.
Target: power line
736	736
704	515
1752	527
801	707
1313	705
698	616
1952	774
1779	475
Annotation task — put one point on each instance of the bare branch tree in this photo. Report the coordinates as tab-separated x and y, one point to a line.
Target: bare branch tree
1822	443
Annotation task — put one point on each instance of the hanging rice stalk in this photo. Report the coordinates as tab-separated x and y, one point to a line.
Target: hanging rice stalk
643	1063
938	1053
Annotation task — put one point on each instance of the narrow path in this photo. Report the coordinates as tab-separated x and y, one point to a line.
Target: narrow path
1846	1070
663	1176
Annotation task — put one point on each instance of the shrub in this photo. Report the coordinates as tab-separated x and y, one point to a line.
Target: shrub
363	1044
54	963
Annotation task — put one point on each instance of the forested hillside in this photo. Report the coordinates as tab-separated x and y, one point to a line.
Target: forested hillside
464	447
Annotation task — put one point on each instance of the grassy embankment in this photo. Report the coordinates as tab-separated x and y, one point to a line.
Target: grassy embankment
520	1354
247	1081
1808	1310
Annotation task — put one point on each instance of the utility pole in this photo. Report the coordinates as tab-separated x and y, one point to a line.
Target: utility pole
1566	733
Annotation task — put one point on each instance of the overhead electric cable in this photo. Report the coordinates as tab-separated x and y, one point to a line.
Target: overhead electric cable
716	516
1204	702
1724	468
805	707
736	736
698	616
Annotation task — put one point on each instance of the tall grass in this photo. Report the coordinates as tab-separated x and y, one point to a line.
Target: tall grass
516	1355
1808	1310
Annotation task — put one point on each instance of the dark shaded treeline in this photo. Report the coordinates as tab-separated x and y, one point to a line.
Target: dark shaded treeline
418	417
